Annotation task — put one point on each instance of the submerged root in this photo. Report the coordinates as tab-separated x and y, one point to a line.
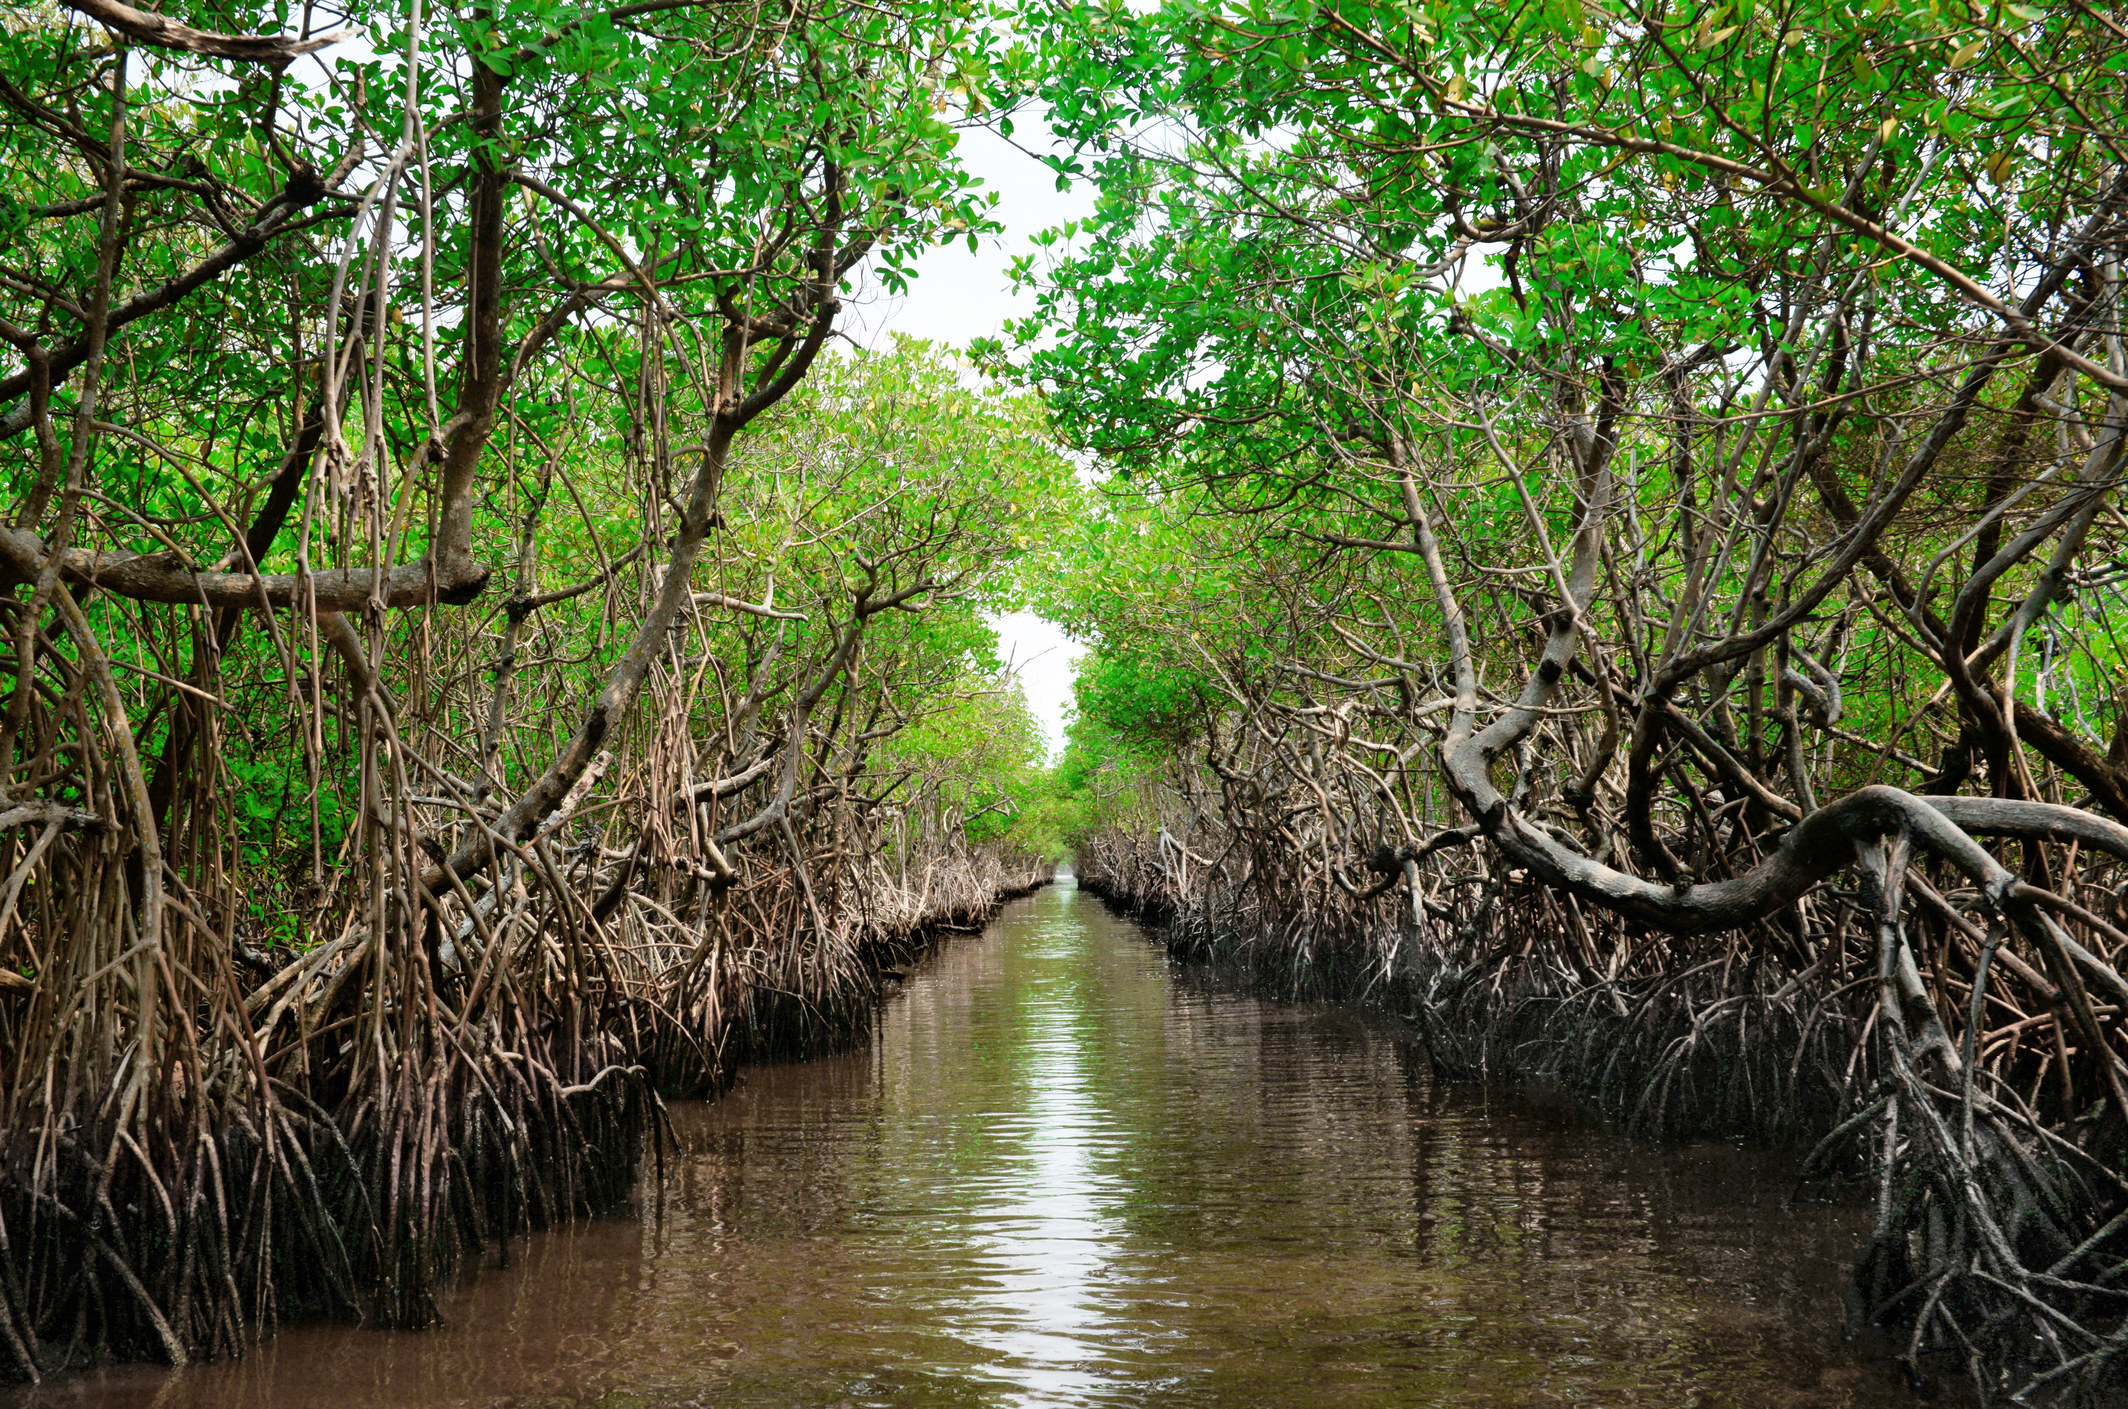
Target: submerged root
199	1149
276	1215
1990	1150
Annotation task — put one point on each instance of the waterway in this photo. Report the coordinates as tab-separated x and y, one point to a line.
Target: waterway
1064	1171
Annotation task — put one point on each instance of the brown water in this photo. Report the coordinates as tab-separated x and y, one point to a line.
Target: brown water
1065	1173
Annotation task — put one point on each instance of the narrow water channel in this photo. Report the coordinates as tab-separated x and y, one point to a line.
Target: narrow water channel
1064	1172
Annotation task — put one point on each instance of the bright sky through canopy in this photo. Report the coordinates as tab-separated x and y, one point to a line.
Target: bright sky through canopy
958	295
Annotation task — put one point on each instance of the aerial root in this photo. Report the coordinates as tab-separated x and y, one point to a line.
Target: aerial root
352	1161
1999	1250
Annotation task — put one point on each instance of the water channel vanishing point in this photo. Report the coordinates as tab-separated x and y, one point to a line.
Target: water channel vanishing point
1065	1171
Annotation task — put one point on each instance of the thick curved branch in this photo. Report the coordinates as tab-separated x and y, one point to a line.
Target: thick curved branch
162	577
1817	847
163	33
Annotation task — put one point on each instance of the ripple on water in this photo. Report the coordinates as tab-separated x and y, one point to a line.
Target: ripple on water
1065	1173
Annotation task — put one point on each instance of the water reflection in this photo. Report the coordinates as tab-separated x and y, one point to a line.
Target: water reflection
1048	1224
1063	1173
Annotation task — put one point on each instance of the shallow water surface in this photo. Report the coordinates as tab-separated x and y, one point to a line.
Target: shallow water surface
1064	1172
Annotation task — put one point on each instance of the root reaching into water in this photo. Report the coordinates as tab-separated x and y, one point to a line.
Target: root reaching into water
1983	1132
232	1147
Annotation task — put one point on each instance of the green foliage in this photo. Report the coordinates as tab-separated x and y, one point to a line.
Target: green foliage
1337	246
1280	185
1137	702
977	760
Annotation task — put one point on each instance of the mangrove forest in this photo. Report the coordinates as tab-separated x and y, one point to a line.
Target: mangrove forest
1595	528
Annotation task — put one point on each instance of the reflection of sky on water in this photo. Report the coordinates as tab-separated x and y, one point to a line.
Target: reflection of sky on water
1050	1239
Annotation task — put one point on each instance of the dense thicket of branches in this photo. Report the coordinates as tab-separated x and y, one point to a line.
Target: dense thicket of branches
475	658
1616	542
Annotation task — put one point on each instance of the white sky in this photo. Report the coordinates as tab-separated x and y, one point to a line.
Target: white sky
957	296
